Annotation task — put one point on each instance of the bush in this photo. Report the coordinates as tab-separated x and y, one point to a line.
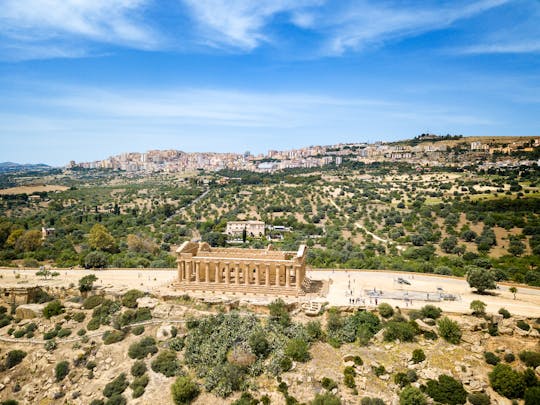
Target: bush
348	374
279	312
61	370
166	363
521	324
418	356
14	357
505	313
141	349
323	399
509	357
446	390
64	333
478	307
79	316
176	344
385	310
479	398
116	399
138	385
138	330
53	308
371	401
50	345
116	386
133	316
314	331
297	349
506	381
138	368
532	396
93	301
403	331
328	384
491	358
530	359
113	336
184	390
378	370
93	324
130	298
19	333
259	344
430	311
449	330
412	396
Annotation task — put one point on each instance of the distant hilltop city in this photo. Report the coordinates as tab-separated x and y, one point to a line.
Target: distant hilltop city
424	150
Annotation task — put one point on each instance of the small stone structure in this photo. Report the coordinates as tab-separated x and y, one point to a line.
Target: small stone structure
253	228
237	270
19	295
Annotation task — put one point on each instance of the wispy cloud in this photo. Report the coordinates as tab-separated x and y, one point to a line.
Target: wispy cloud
514	47
61	28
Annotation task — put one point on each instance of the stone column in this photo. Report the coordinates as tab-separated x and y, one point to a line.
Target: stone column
267	276
196	267
236	273
277	267
247	273
257	274
227	274
206	272
297	277
287	275
217	272
179	264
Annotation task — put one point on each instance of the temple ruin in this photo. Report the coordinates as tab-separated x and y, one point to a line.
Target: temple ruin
238	271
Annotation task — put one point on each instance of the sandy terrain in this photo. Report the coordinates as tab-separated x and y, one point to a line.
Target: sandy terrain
31	189
527	302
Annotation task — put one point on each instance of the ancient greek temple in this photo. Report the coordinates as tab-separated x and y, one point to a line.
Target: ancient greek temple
236	270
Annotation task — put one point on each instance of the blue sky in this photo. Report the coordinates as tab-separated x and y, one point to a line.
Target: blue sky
85	79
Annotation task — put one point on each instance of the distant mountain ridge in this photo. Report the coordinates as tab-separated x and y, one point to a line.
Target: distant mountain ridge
11	166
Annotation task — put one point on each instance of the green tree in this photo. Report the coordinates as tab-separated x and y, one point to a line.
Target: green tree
449	330
96	260
412	396
446	390
86	283
29	241
513	290
53	308
100	239
478	307
184	390
297	349
506	381
61	370
481	279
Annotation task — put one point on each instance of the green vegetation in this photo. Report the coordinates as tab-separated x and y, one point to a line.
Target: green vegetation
166	363
446	390
184	390
61	370
130	298
507	382
14	357
139	350
53	308
418	356
116	386
138	368
449	330
530	358
478	307
412	396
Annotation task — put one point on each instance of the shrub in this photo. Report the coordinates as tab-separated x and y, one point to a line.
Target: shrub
93	301
491	358
418	356
328	384
506	381
430	311
130	298
403	331
285	363
314	331
79	316
446	390
138	385
521	324
509	357
378	370
259	344
113	336
385	310
19	333
279	312
323	399
184	390
116	386
116	399
93	324
449	330
297	349
176	344
532	396
139	350
133	316
53	308
412	396
529	378
91	365
166	363
530	359
138	368
479	398
348	374
505	313
478	307
61	370
14	357
138	330
371	401
50	345
64	333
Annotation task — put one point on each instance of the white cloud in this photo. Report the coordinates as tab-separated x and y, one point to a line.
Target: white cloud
240	23
514	47
56	28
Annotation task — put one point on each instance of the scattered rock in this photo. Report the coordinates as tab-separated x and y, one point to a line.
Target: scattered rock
147	302
29	311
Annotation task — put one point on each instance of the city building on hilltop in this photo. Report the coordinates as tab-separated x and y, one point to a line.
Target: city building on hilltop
253	228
